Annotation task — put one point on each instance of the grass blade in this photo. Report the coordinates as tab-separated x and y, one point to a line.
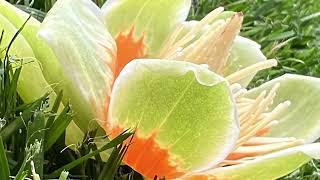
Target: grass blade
39	15
115	142
58	127
35	133
22	173
19	122
4	166
64	175
22	176
54	110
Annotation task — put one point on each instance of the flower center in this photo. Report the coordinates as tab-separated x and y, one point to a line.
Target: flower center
256	120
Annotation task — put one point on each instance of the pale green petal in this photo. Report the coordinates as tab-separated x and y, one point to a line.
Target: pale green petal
77	35
149	18
31	84
244	52
188	106
42	52
302	118
270	166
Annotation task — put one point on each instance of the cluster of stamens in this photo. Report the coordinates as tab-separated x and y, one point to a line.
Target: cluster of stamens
255	116
211	48
256	119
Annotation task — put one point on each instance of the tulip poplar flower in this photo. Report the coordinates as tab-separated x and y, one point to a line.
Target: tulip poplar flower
181	84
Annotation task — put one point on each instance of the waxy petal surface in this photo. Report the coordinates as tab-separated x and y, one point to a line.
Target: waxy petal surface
86	52
301	119
151	21
184	115
32	84
244	52
271	166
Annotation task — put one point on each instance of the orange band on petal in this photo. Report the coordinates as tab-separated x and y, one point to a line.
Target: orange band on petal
147	157
129	48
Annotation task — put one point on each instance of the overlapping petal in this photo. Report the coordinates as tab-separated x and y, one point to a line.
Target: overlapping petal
42	52
21	51
266	167
184	113
86	52
152	19
244	53
301	119
140	27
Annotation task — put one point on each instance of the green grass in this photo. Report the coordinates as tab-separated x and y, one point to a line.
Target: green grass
288	30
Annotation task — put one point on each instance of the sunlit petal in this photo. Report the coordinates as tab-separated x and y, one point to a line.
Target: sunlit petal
178	108
301	118
267	167
86	52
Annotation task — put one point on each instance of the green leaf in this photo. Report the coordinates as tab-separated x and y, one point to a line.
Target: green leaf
4	166
21	176
21	173
58	127
54	109
301	118
179	105
271	166
48	4
113	163
116	141
37	14
22	53
20	121
36	132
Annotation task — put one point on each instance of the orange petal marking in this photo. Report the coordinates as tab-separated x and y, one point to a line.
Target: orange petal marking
129	48
147	157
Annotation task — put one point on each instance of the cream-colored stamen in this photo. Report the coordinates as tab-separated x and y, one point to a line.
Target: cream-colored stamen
258	150
255	120
207	42
243	73
254	141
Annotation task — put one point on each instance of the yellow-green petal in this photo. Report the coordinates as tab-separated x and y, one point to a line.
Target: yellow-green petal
186	109
31	84
150	19
270	166
42	52
302	118
244	52
76	33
